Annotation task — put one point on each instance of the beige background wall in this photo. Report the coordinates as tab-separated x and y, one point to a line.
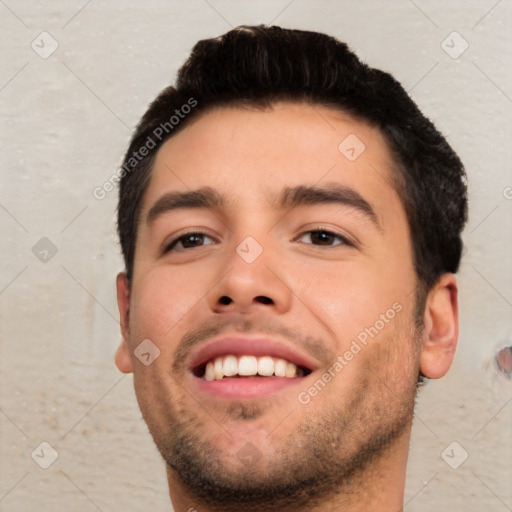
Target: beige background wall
65	122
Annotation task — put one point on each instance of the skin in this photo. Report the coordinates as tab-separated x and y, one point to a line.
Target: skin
350	442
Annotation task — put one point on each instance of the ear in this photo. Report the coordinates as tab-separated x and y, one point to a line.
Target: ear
123	357
441	328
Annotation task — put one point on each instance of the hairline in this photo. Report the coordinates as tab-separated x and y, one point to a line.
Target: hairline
267	105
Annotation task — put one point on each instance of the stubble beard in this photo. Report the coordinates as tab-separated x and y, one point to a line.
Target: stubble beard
327	455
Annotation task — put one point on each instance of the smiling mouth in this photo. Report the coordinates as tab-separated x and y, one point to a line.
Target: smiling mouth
231	366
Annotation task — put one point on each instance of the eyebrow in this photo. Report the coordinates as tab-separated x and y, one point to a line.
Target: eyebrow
204	197
291	197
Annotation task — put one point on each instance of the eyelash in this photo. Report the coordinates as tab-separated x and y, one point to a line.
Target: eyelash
169	247
344	241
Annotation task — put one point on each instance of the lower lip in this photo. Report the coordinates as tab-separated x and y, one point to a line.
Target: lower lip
246	387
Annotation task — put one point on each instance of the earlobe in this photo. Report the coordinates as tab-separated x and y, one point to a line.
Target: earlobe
441	328
123	357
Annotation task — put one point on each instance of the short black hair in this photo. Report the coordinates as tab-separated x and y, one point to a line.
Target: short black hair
257	66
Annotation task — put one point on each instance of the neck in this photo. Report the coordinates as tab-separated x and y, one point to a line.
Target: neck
378	487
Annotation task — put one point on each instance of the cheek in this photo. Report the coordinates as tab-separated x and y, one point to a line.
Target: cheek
350	297
164	298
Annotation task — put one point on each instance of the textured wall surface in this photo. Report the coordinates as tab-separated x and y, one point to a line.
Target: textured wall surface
67	112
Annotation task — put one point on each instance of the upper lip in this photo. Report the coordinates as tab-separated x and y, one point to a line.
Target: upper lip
252	346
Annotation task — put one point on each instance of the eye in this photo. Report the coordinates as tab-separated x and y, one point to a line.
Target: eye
323	237
189	241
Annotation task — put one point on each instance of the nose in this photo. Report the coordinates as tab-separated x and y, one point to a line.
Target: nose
246	284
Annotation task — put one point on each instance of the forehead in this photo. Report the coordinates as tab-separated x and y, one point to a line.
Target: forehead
250	155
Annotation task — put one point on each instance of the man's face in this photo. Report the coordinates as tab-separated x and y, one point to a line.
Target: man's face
274	270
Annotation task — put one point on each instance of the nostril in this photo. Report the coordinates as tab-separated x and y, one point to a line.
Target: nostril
225	300
264	300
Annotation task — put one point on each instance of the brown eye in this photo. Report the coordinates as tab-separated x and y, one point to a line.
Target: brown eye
324	238
189	241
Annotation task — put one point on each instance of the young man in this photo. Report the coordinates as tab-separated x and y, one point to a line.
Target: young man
290	224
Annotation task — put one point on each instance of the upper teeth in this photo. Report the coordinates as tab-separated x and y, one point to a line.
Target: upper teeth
231	365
